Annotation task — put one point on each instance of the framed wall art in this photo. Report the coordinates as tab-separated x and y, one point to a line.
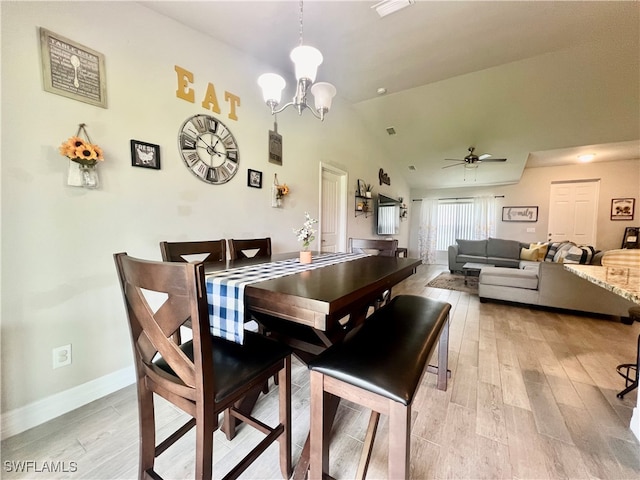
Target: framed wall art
145	155
519	214
254	179
72	70
622	208
362	188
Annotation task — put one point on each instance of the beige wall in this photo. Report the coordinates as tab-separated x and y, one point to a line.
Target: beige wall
617	180
58	280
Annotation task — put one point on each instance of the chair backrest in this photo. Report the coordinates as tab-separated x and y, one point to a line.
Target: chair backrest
240	248
180	251
180	289
382	248
621	258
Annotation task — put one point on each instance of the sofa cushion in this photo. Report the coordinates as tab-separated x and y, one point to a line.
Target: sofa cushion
471	259
503	262
499	248
509	277
576	254
472	247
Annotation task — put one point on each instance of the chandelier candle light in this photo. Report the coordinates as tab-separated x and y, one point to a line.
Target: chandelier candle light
306	60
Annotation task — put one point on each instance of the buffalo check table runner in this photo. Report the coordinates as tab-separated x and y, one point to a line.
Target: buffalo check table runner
225	289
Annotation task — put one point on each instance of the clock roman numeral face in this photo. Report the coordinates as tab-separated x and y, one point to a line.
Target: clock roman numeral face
208	149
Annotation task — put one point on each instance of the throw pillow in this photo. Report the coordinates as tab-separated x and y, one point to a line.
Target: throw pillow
551	251
542	250
472	247
579	254
530	254
562	251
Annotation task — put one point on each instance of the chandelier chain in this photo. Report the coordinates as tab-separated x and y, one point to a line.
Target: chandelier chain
301	27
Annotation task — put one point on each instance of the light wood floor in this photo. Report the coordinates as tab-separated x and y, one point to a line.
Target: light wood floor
532	396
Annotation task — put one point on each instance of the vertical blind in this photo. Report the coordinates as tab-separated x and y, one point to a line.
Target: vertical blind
455	220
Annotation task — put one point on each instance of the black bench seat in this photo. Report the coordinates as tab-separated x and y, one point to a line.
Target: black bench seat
380	366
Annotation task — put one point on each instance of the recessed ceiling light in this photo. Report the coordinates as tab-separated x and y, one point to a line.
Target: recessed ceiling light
412	167
381	91
587	157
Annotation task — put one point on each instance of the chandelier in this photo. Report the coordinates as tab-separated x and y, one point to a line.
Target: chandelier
306	60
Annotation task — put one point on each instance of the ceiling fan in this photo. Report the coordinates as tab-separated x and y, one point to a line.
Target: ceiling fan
472	160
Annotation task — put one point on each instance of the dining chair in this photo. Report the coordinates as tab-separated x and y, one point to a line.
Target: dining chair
239	248
216	251
381	248
202	377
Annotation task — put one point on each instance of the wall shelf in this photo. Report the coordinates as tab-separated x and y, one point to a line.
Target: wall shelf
363	206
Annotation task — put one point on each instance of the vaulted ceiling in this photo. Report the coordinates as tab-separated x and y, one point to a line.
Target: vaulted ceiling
505	77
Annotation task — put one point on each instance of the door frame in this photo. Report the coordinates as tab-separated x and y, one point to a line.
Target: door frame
341	234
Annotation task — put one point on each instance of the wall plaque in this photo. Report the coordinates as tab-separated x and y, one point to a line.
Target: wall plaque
72	70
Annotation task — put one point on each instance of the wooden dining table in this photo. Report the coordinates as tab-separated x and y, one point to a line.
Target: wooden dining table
312	310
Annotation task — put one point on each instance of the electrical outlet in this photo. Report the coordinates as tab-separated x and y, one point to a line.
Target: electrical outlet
62	356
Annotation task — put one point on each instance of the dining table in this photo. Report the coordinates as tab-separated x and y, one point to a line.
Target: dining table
312	309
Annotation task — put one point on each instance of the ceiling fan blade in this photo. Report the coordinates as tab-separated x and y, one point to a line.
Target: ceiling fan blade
454	165
493	160
454	160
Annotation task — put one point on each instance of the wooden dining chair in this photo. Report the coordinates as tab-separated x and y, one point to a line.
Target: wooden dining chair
381	248
209	251
238	248
216	251
201	377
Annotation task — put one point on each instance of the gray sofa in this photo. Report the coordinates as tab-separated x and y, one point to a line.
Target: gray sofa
549	284
546	284
493	251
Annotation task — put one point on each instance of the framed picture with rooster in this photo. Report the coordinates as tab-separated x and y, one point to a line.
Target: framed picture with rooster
145	155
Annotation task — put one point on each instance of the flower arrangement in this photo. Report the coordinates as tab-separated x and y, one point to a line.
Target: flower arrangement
306	233
282	191
81	151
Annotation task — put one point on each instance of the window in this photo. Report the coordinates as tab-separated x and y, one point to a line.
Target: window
455	220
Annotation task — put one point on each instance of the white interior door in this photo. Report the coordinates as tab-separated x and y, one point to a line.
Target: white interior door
573	211
333	209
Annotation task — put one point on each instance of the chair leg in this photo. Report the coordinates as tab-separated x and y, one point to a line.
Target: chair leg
284	392
204	442
147	427
399	440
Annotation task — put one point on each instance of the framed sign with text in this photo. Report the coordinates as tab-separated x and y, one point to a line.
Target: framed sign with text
72	70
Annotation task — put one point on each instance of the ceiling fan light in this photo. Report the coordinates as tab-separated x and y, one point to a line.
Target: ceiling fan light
323	93
306	60
483	156
272	85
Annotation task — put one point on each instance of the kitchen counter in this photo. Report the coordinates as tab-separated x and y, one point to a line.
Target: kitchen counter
623	281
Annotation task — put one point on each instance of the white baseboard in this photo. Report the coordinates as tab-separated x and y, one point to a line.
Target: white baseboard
23	418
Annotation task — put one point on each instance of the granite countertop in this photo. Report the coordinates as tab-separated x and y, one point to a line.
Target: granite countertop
624	281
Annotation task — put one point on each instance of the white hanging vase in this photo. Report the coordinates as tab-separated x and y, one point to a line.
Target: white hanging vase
276	197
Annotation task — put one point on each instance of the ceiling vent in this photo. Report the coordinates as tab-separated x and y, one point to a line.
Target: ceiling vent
391	130
387	7
412	168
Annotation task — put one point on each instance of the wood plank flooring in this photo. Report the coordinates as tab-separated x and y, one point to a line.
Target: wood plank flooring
532	396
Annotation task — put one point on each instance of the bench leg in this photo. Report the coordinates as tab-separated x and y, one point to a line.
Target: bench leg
443	356
368	445
320	429
399	440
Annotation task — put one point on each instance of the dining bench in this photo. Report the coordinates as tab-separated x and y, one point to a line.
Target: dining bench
379	365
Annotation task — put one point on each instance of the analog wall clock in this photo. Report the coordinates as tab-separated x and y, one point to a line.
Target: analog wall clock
208	149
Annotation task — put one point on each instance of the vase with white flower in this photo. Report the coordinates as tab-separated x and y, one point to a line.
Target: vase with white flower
85	155
305	235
